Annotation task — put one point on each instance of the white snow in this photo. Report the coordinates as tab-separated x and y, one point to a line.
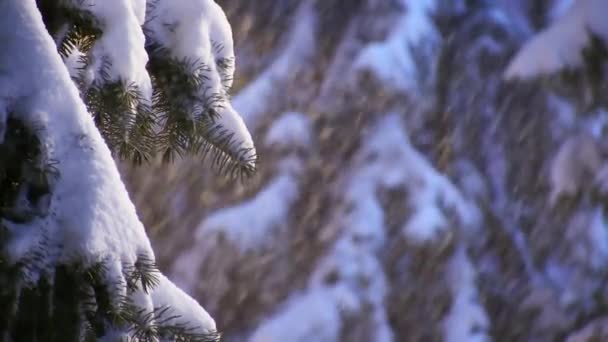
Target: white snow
252	101
467	319
392	60
122	42
199	31
92	210
189	312
560	45
91	213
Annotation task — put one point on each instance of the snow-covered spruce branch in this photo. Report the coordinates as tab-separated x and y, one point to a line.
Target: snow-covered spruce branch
75	261
169	96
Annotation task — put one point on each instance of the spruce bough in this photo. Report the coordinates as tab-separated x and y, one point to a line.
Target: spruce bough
75	263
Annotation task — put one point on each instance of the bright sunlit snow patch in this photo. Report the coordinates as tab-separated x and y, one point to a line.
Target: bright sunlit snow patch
184	309
198	31
121	44
392	60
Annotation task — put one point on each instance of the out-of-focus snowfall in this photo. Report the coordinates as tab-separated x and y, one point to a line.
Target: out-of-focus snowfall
430	170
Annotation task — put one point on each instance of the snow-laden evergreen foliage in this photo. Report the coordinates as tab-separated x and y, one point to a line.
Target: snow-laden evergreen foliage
75	79
167	96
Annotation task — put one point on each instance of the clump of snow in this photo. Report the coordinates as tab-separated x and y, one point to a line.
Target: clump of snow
467	319
560	45
184	309
392	60
252	101
199	31
121	44
171	24
91	216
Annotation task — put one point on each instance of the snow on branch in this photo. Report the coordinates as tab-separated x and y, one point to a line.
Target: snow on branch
102	43
155	75
74	256
192	65
561	45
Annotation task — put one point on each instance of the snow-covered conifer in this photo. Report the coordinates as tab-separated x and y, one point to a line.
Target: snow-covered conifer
77	87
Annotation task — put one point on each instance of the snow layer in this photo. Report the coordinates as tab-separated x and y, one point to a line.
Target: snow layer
198	31
122	42
392	60
184	309
92	211
91	214
560	45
